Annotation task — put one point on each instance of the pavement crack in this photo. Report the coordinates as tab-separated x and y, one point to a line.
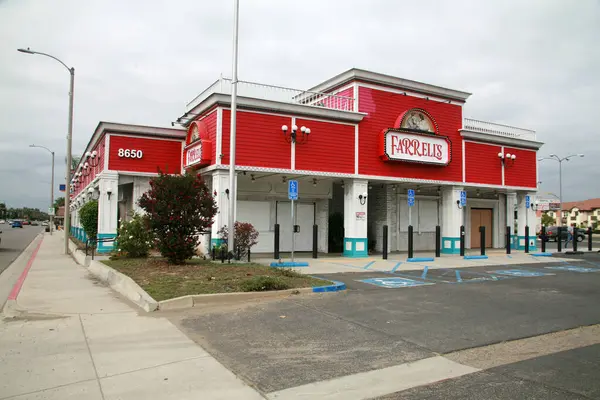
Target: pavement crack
87	344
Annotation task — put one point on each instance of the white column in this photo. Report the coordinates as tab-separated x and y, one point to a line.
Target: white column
452	219
141	184
355	218
220	186
107	210
322	220
511	204
526	216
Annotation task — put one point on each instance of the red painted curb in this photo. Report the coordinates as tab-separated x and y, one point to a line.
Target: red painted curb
17	288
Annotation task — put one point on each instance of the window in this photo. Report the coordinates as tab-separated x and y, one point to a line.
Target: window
573	218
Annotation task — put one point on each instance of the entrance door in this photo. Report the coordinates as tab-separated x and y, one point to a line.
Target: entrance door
304	216
481	217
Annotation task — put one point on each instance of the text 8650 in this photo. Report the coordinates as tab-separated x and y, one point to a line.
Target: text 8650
130	153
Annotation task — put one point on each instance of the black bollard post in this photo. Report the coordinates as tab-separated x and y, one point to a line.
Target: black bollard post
590	238
239	253
526	239
438	241
213	252
222	255
385	242
248	254
559	238
575	239
410	241
543	239
276	243
315	246
508	242
482	238
462	240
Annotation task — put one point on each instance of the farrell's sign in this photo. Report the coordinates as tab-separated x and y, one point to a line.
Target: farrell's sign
415	147
197	153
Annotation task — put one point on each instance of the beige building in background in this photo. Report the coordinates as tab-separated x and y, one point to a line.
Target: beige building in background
582	213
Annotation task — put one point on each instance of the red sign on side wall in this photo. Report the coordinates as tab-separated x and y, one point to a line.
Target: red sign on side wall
197	154
135	154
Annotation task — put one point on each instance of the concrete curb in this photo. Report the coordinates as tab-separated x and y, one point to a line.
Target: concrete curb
420	259
79	255
124	285
336	287
288	264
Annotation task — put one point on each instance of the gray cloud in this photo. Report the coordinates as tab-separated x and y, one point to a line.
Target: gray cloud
532	64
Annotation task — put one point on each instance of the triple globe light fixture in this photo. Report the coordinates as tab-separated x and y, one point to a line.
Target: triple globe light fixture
91	161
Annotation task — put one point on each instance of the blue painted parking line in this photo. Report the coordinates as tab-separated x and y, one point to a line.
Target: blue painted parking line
520	272
573	268
475	257
541	254
424	275
458	278
369	264
396	266
419	259
288	264
394	283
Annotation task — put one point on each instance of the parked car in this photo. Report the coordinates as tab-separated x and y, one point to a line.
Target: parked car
552	234
25	222
17	224
45	223
2	221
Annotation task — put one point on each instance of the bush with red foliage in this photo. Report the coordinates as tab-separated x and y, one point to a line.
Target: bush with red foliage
245	236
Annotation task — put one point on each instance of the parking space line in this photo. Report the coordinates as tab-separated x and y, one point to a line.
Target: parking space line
369	264
396	266
458	279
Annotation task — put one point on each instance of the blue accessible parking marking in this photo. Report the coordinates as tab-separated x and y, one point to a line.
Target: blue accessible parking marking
574	268
520	272
394	283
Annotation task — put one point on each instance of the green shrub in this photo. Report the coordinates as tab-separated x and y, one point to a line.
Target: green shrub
134	238
245	236
290	273
264	283
88	215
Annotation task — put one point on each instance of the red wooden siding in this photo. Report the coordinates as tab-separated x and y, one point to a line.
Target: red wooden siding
383	109
482	163
259	141
523	172
157	154
100	149
211	125
330	147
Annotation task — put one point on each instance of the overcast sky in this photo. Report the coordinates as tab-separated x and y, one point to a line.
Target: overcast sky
533	64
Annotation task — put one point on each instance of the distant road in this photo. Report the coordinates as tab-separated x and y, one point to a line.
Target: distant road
14	241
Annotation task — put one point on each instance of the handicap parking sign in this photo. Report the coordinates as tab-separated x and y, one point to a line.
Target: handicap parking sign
463	198
411	197
394	283
520	272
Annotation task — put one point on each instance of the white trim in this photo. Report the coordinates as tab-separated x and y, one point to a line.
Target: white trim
364	177
294	116
486	144
293	148
106	151
464	162
502	151
521	144
341	89
219	139
183	153
130	173
356	93
409	93
356	150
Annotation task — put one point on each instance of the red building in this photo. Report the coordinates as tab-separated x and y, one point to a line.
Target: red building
357	144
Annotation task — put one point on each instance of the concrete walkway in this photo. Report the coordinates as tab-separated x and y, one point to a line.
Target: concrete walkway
73	338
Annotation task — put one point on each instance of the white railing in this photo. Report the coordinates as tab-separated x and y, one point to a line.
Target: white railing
276	93
498	129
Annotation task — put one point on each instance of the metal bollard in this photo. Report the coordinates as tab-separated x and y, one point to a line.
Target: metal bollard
222	255
276	244
248	254
543	239
239	253
462	240
385	242
482	238
213	253
526	239
315	247
508	241
410	241
575	239
590	238
438	241
559	238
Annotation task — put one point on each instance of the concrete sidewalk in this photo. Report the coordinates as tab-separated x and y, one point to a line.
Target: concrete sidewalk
74	338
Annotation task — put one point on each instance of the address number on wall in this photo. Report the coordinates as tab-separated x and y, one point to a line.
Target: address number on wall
130	153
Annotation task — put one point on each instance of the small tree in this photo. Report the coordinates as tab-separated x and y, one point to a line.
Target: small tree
88	215
547	220
245	236
134	237
180	208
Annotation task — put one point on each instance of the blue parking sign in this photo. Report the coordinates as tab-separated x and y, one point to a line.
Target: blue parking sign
411	197
463	198
293	190
527	202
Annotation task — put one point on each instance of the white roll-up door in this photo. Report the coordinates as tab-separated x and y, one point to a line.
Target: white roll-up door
258	213
305	217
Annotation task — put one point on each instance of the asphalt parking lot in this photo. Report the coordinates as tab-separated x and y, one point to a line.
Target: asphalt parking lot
382	321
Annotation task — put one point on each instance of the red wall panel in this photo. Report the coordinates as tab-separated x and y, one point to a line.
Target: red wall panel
211	125
158	154
523	172
259	141
330	147
482	163
383	109
93	171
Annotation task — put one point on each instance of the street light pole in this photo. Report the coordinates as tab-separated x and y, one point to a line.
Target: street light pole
232	132
51	185
560	195
69	139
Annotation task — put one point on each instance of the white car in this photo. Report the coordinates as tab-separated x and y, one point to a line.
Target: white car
44	223
2	221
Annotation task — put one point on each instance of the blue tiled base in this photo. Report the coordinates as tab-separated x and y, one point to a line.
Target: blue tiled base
106	247
450	245
216	242
356	247
520	243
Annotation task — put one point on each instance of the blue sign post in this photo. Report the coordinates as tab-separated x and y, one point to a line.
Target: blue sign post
527	202
463	198
62	187
293	196
411	203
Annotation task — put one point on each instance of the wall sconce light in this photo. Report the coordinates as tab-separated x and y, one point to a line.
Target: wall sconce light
343	185
283	179
252	178
93	156
90	192
505	158
458	205
227	193
109	193
478	193
314	182
293	137
362	198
